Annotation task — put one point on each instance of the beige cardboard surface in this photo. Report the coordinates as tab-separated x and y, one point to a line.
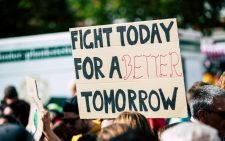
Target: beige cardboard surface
35	124
122	62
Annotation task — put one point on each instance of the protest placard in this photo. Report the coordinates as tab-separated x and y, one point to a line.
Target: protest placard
129	67
35	124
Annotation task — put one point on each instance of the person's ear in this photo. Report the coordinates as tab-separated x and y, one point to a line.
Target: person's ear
202	116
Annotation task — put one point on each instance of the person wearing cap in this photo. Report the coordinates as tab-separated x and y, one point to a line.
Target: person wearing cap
78	126
10	95
56	114
57	124
72	120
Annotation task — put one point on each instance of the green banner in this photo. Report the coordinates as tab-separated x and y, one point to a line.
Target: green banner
34	54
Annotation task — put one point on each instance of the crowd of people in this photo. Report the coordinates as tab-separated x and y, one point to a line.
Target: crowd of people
206	120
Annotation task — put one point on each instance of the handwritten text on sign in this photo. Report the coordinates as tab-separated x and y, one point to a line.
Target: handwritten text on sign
132	66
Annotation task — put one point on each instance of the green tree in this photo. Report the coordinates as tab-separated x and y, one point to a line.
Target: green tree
24	17
202	14
92	11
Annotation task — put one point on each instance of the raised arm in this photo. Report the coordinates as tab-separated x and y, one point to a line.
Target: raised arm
48	133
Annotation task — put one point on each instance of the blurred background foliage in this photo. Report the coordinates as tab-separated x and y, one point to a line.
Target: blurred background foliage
26	17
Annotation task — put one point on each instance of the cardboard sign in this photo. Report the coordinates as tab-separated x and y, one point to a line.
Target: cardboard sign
129	67
35	124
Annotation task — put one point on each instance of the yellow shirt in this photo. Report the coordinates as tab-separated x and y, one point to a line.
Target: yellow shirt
93	130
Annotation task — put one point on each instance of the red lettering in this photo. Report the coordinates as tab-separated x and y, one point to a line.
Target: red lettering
162	65
136	67
156	69
173	65
146	58
152	66
128	66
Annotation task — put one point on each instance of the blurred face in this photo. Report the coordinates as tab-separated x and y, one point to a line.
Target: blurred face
73	122
10	100
216	116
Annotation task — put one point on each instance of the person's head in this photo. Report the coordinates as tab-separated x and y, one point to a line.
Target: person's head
193	88
14	132
207	106
20	109
112	131
161	130
190	132
71	117
10	94
135	120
